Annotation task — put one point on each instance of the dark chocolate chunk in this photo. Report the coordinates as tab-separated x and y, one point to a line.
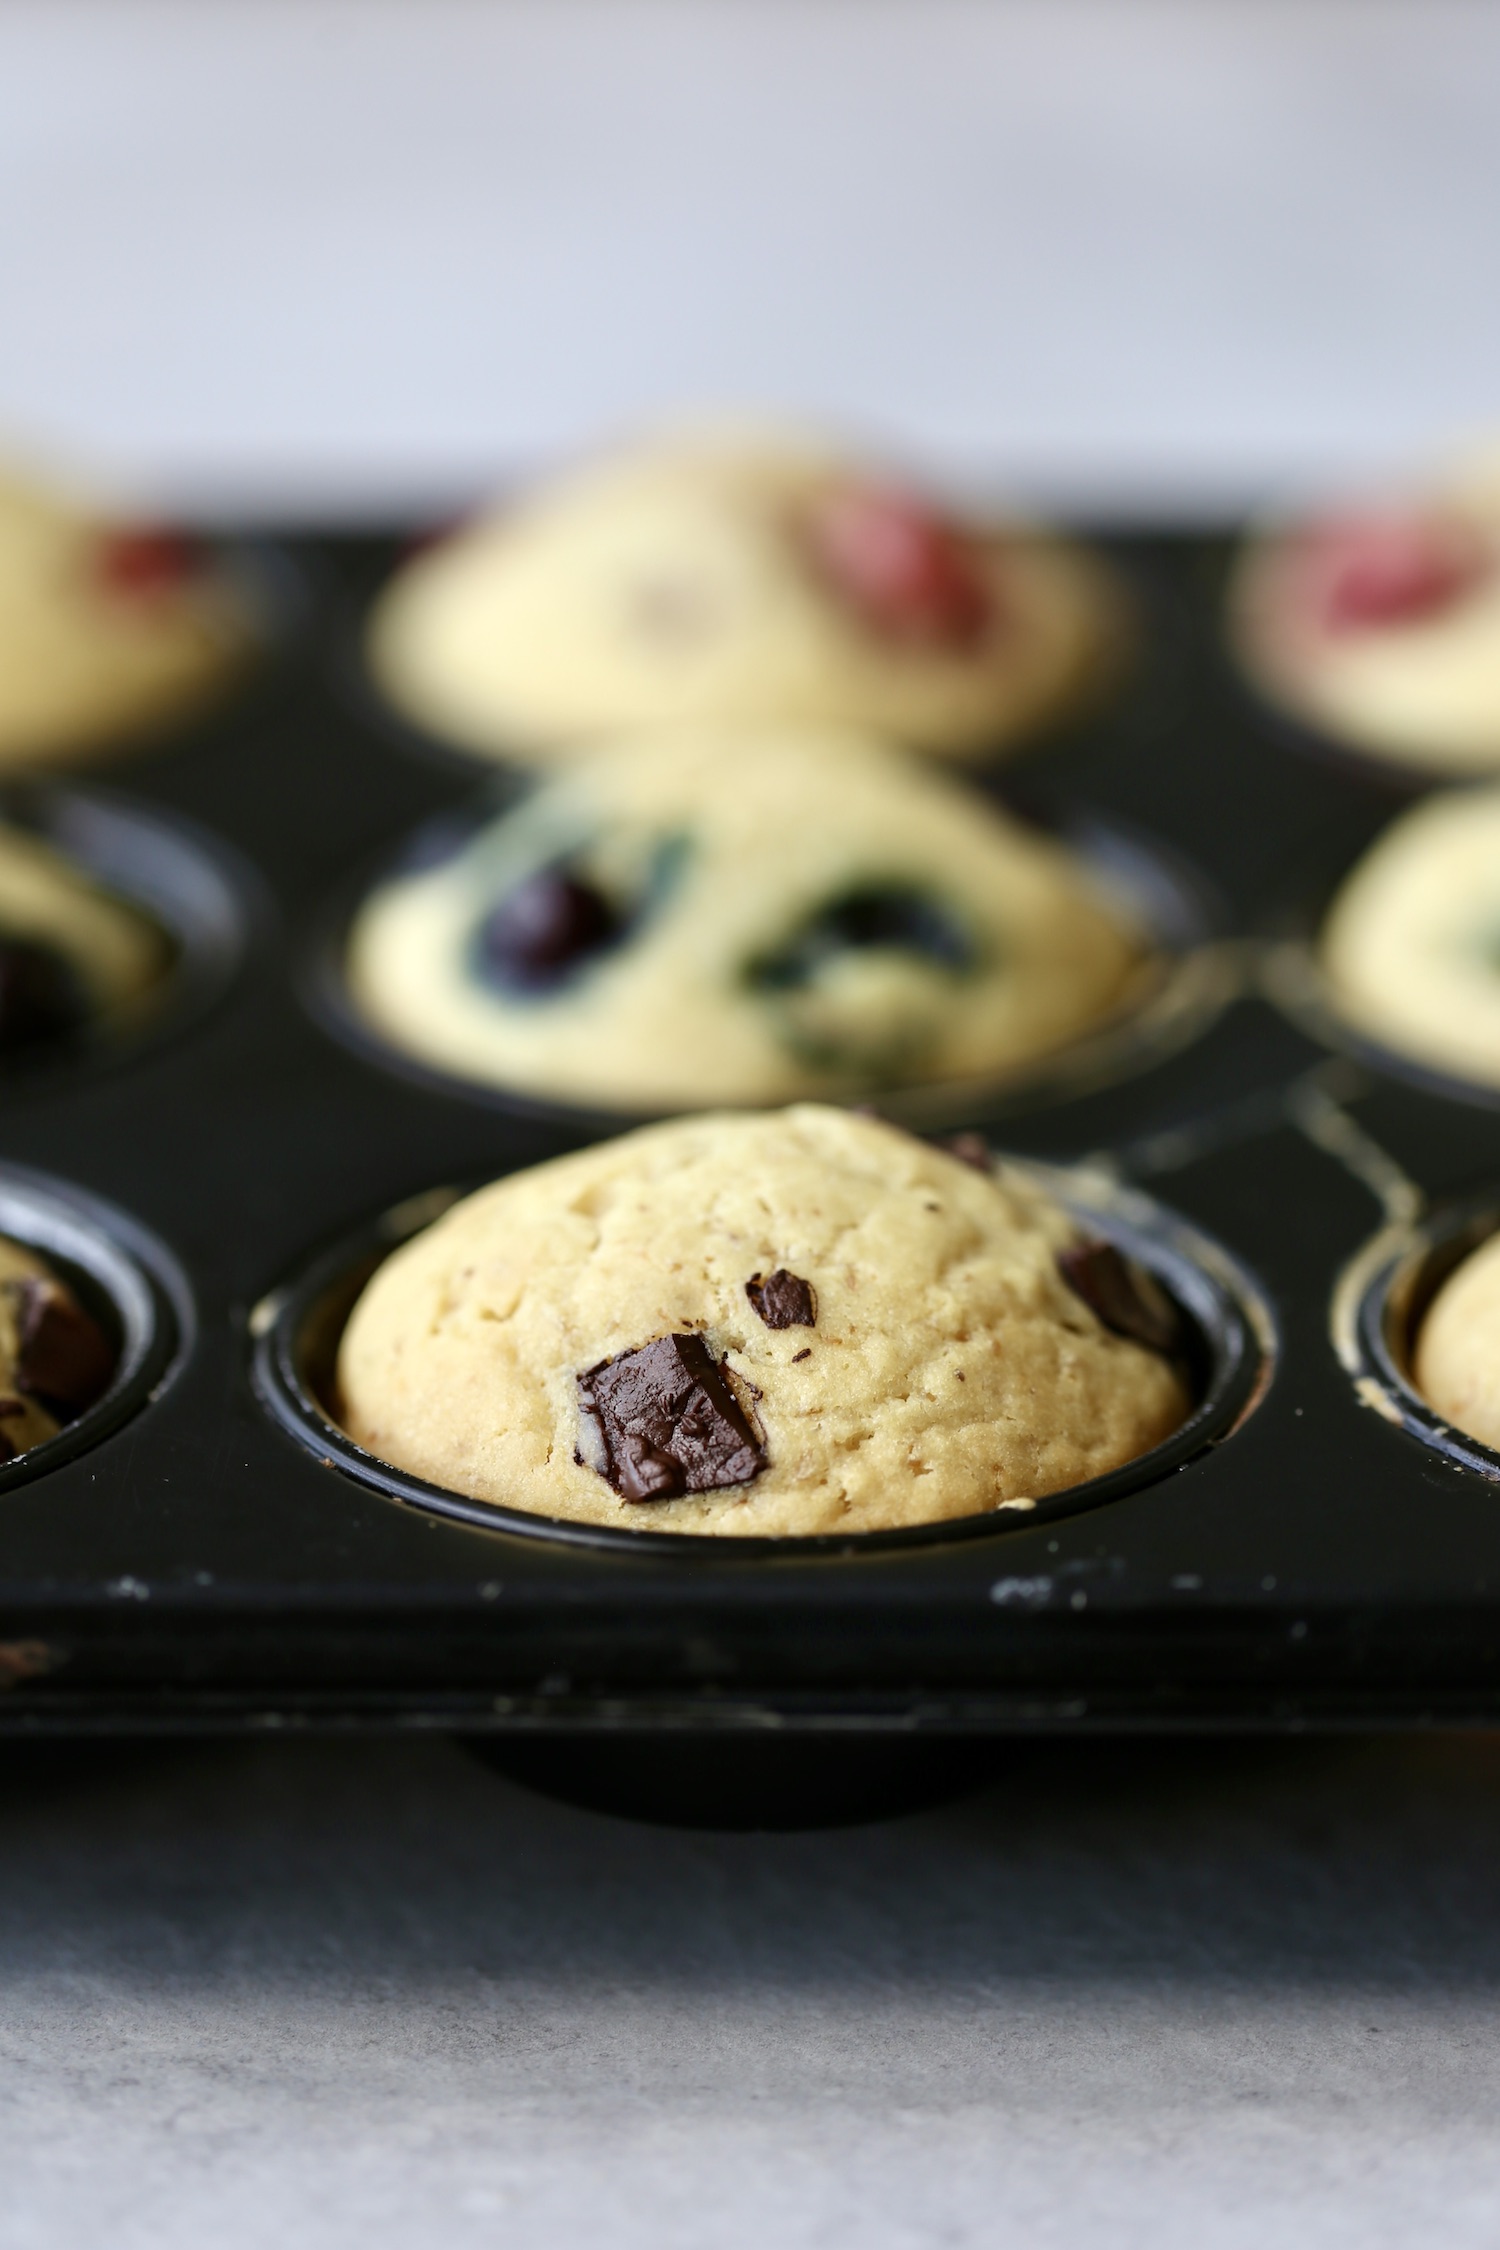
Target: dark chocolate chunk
548	926
972	1149
805	1353
41	994
63	1355
887	916
782	1299
1126	1300
667	1421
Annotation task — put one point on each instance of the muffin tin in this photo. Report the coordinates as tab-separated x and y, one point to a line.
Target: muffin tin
205	1550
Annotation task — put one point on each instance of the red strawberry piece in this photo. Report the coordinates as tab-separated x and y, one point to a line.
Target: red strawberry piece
903	568
147	559
1373	571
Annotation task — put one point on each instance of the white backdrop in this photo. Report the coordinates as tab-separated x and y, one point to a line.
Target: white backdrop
316	253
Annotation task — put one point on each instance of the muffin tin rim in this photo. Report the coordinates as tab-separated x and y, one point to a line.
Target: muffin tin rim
1230	1311
1386	1287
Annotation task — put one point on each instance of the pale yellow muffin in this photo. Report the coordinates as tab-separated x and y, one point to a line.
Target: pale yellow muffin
1380	626
1411	947
1457	1366
54	1359
106	629
881	1333
737	579
746	919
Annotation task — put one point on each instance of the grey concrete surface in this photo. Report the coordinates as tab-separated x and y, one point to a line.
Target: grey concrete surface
329	1994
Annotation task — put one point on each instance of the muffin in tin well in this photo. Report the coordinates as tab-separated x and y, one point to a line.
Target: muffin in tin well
55	1359
108	628
1411	946
734	579
747	918
785	1324
1456	1363
73	955
1379	625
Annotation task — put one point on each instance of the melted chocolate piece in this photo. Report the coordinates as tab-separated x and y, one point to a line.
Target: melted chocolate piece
1129	1303
64	1357
972	1149
547	927
41	995
668	1422
783	1300
872	915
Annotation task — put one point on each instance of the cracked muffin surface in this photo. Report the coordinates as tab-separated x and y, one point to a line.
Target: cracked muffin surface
758	1325
697	919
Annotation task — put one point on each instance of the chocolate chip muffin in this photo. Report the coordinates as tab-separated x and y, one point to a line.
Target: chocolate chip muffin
760	1325
55	1359
1457	1363
704	919
738	580
107	629
72	956
1411	948
1380	626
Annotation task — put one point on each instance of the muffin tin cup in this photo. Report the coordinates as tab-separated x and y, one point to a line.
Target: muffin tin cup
1290	1559
125	1277
1229	1362
1293	979
1379	1305
1193	976
206	900
282	593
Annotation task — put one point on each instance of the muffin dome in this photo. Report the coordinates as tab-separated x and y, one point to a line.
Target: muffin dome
797	1323
1411	947
743	918
737	580
1380	625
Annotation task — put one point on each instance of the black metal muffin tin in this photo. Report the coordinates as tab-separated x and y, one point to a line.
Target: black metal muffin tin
204	1551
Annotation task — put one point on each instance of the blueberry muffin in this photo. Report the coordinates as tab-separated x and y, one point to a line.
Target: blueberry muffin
107	629
55	1359
1381	627
1411	948
1457	1365
799	1322
72	956
700	919
738	580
